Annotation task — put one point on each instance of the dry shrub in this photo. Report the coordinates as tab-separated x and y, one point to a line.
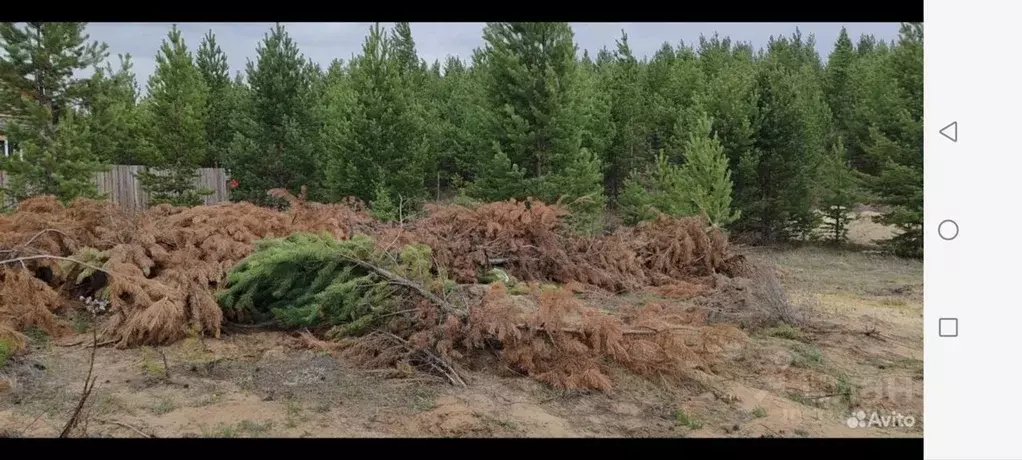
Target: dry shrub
752	302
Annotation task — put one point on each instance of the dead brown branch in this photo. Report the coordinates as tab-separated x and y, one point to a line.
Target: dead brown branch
51	257
90	383
125	425
435	361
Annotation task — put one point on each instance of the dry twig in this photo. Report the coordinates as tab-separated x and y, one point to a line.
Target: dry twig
90	383
125	425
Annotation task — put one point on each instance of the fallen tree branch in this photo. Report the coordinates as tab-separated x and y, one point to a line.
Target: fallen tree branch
645	331
438	363
90	383
41	233
125	425
44	256
395	279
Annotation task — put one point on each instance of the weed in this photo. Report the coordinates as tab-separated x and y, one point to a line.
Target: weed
152	363
807	356
681	418
293	413
847	391
107	404
81	321
193	351
163	405
759	412
37	337
222	431
786	331
519	289
801	399
893	302
6	351
255	429
210	399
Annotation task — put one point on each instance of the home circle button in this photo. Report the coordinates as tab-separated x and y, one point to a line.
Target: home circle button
948	230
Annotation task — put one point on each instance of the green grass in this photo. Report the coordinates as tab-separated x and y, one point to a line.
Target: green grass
759	412
807	356
786	331
6	351
683	419
163	405
847	391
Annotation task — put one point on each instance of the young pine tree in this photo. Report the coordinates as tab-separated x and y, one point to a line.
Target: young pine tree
115	121
838	192
580	188
276	146
706	177
628	149
385	140
781	168
899	183
531	79
499	179
660	189
212	64
177	126
39	91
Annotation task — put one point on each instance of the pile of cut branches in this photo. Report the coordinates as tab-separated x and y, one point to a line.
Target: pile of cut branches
395	309
530	240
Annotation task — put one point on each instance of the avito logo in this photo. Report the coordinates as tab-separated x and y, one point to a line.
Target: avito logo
876	420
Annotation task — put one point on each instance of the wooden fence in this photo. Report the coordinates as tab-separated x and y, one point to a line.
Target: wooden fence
121	186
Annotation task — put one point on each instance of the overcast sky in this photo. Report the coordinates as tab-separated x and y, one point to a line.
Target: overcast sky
322	42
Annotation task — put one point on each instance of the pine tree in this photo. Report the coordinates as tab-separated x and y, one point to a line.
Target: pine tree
212	63
529	69
777	203
460	140
499	179
628	149
706	176
531	81
385	139
838	193
899	184
39	91
580	187
731	102
177	126
838	82
415	85
660	188
115	119
276	146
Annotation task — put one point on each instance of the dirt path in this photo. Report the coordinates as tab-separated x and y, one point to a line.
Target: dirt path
786	382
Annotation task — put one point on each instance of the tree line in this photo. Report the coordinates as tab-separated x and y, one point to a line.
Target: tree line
769	142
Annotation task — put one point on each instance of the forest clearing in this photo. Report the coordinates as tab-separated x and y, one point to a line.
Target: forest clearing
531	239
664	329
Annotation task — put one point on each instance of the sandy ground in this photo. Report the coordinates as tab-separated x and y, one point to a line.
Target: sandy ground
865	355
